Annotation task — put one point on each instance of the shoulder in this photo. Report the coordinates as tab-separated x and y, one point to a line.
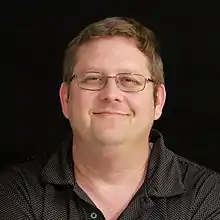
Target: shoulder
202	185
23	178
193	173
25	172
20	190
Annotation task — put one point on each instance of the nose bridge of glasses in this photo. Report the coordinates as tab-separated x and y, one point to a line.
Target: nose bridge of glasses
111	82
111	77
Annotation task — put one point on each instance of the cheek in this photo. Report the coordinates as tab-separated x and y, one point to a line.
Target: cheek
81	104
143	105
79	117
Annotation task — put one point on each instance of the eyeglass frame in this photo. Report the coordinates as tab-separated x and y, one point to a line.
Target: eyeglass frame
114	77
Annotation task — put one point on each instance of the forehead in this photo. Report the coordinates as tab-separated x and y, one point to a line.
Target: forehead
112	54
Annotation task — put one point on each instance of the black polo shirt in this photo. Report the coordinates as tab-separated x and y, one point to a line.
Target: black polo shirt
175	188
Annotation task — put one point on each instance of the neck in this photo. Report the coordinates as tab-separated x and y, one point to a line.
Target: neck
109	164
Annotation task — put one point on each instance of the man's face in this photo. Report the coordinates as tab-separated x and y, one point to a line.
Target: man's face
111	116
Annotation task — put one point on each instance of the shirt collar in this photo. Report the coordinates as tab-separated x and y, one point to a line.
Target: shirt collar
59	168
164	177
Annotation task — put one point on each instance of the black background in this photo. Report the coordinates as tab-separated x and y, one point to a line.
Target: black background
189	35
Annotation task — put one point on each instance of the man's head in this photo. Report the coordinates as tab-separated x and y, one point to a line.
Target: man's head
113	110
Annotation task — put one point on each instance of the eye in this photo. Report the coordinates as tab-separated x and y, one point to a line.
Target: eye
93	78
129	80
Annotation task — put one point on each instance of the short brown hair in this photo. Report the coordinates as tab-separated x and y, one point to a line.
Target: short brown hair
117	26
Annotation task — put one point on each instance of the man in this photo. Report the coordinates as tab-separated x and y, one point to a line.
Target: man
115	166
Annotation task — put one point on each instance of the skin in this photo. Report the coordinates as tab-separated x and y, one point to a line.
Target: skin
111	149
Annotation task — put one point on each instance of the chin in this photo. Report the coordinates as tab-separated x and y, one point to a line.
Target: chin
110	138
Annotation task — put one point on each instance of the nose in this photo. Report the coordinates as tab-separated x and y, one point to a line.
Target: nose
111	92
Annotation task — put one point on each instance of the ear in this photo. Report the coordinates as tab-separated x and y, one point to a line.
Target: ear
64	98
159	101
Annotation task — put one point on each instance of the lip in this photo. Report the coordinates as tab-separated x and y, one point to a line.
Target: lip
110	113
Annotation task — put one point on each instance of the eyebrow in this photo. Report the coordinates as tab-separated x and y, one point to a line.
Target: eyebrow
98	70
